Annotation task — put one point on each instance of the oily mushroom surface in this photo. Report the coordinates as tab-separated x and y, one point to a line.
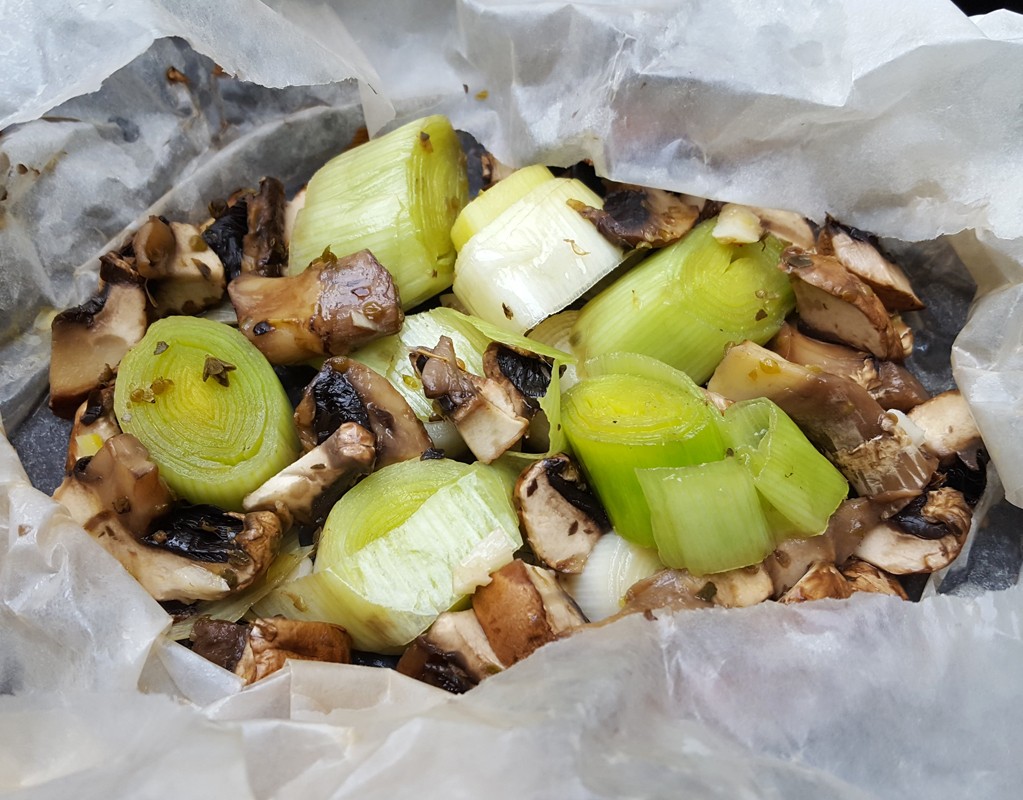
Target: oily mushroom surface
454	654
635	216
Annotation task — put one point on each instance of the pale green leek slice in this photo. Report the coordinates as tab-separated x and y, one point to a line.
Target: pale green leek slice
396	196
686	303
800	485
631	413
410	541
490	204
706	518
208	407
535	258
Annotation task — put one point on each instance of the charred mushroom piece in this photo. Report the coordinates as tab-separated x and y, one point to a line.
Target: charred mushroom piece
264	251
821	581
454	654
891	384
528	374
346	391
561	518
949	428
311	484
94	424
253	650
226	236
857	253
333	307
186	554
839	306
183	275
88	341
864	577
897	545
636	216
522	609
483	410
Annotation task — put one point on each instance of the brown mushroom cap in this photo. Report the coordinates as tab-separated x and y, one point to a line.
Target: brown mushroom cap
821	581
522	609
331	308
839	306
454	654
635	216
859	255
264	247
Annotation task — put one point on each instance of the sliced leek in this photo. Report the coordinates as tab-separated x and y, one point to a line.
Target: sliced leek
613	566
686	303
535	258
799	484
631	413
410	541
396	196
490	204
208	407
706	518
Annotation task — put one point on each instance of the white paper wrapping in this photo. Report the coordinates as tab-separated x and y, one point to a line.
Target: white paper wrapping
902	119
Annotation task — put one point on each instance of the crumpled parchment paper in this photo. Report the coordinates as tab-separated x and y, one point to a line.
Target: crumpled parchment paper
903	119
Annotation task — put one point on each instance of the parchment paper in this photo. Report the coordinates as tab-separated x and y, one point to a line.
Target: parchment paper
904	119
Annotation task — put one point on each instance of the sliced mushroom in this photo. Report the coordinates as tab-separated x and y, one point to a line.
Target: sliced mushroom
186	553
839	306
636	216
88	341
949	428
821	581
858	254
183	275
253	650
346	391
791	560
736	588
561	517
333	307
788	226
94	424
864	577
483	410
897	545
454	654
308	487
891	384
872	448
738	224
849	524
264	248
522	609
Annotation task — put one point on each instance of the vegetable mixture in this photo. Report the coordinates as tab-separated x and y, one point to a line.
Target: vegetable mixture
631	400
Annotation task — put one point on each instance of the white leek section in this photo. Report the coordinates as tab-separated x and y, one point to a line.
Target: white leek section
613	567
534	259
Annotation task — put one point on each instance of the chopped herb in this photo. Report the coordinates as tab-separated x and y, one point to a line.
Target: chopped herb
161	347
217	369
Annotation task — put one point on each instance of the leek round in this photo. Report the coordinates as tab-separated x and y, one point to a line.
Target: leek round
396	196
631	413
410	541
208	407
613	566
490	204
686	303
535	258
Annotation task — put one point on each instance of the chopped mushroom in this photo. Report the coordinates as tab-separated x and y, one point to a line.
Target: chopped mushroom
88	341
949	428
454	654
898	545
821	581
331	308
308	487
864	577
94	424
483	410
891	384
264	247
839	306
561	518
787	225
226	235
736	588
738	225
345	390
637	216
253	650
791	560
858	254
522	609
185	554
183	275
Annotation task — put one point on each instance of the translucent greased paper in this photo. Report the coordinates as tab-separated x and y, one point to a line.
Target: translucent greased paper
899	118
